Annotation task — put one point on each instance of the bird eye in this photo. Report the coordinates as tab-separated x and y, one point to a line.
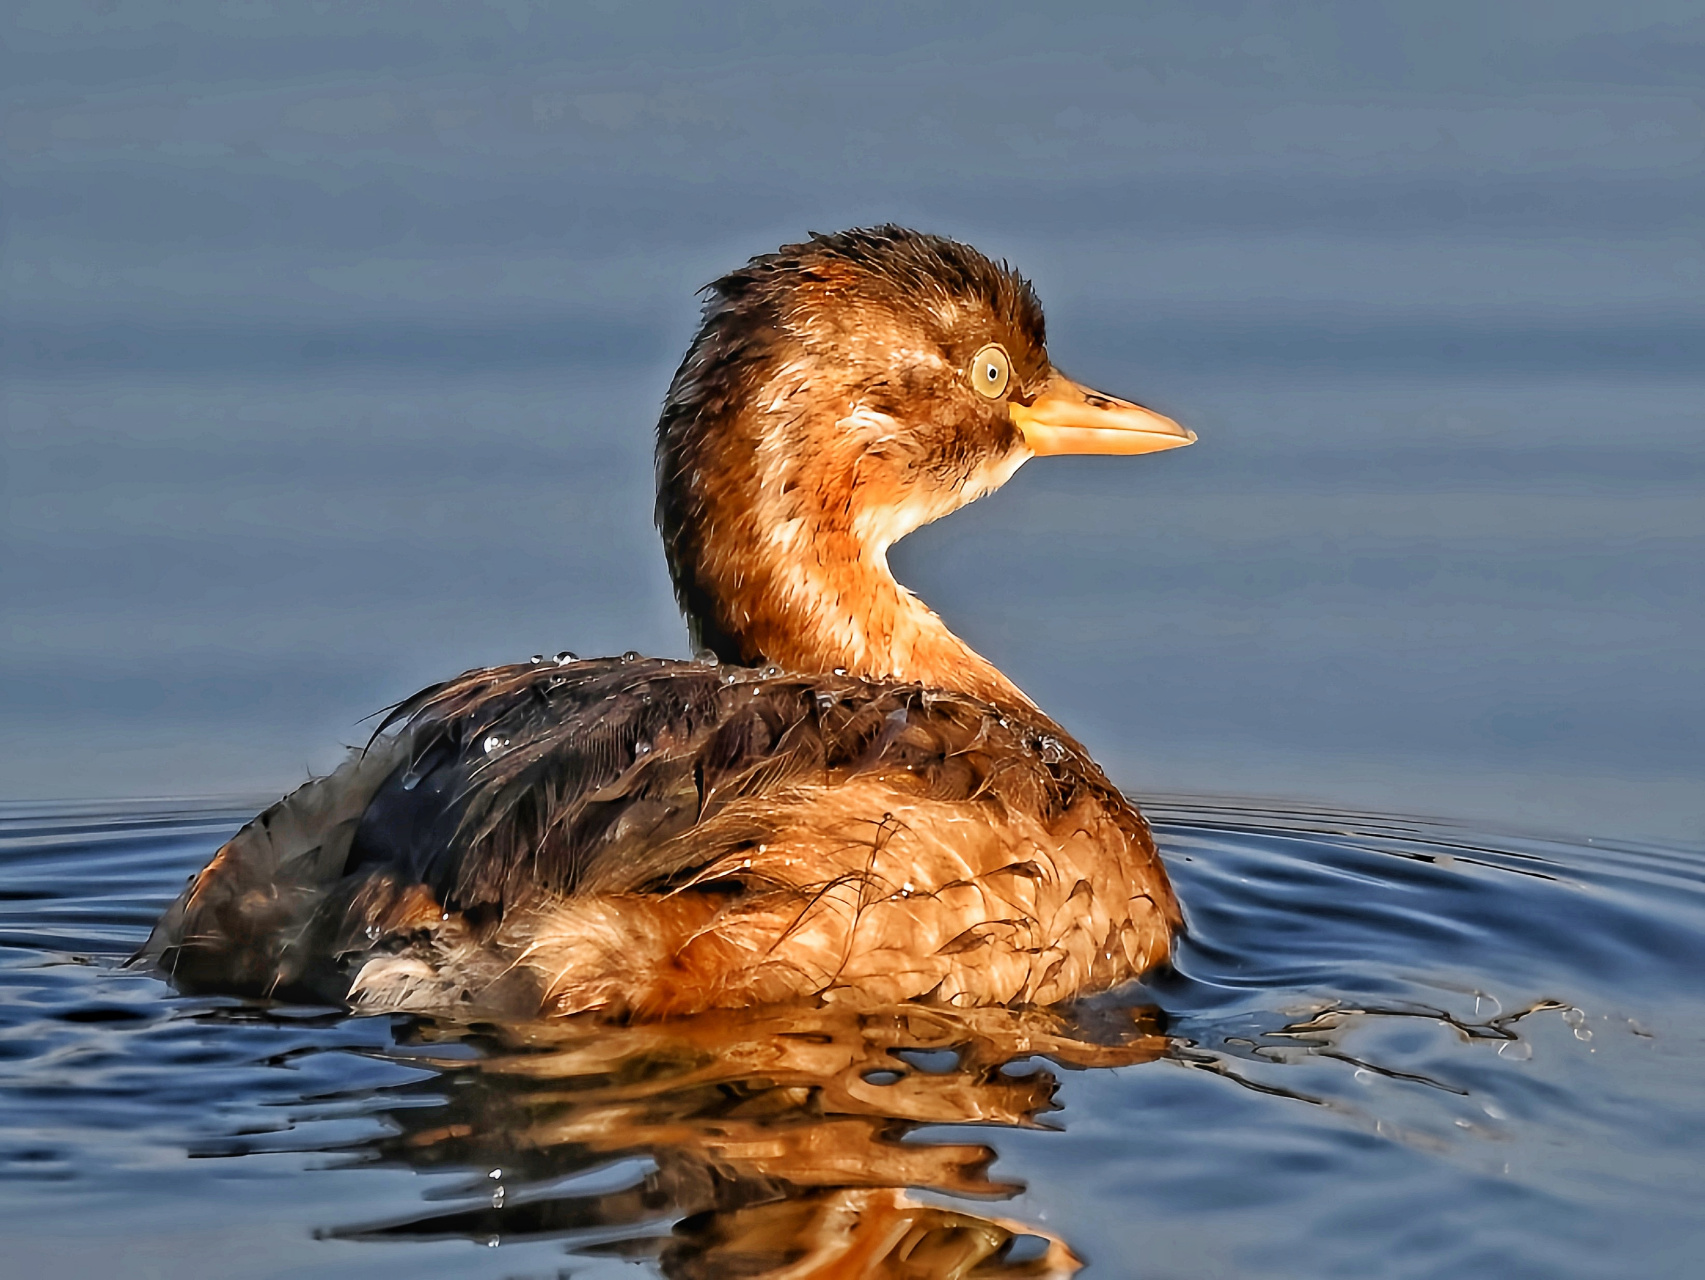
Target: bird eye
991	370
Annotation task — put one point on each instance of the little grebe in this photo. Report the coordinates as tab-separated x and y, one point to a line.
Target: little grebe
840	799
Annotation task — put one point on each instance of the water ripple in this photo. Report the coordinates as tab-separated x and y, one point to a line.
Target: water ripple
1387	1045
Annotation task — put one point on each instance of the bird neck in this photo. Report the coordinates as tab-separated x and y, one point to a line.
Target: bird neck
828	612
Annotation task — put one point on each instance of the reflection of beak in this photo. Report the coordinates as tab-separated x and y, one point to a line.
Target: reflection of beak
1067	417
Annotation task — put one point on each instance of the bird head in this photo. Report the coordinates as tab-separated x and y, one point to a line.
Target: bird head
841	393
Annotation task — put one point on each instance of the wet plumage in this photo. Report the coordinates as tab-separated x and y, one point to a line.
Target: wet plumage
843	801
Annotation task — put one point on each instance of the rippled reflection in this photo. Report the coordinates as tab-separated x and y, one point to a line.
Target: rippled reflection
760	1143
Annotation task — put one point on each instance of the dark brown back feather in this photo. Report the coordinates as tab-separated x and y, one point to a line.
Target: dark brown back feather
508	786
564	779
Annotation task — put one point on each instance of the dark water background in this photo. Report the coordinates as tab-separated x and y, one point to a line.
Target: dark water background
330	343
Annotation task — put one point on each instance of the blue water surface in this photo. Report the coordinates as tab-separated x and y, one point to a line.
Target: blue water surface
1389	1047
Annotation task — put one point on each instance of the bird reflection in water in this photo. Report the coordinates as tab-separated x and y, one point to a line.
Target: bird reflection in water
775	1138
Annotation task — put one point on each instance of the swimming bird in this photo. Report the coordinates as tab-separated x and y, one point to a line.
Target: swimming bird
839	800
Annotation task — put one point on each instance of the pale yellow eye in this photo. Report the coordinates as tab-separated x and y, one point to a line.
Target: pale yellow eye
991	370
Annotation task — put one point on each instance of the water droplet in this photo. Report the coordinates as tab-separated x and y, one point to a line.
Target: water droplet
418	768
497	1198
1053	750
632	655
494	742
536	659
641	748
372	931
493	1241
771	672
824	700
730	675
1583	1033
906	888
707	658
1486	1006
1515	1050
495	1174
1574	1017
567	656
840	671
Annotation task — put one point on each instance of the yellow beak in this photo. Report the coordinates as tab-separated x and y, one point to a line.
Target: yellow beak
1067	417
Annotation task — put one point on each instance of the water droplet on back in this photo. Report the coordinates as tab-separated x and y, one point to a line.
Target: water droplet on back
632	655
494	742
567	656
707	658
536	659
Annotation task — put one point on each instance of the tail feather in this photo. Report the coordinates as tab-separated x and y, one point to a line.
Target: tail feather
240	924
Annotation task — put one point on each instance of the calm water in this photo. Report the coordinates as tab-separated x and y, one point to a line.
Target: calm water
1391	1047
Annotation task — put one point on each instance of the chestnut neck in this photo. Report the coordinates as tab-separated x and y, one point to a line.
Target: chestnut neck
822	613
795	572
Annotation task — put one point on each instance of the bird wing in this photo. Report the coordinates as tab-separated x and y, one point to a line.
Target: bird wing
585	778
